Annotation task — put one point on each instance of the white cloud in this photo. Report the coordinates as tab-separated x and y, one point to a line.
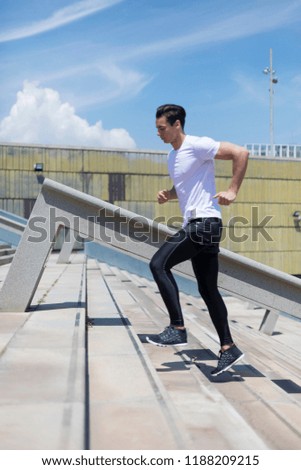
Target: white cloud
73	12
115	83
39	116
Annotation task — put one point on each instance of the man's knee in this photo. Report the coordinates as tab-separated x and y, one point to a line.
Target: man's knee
155	265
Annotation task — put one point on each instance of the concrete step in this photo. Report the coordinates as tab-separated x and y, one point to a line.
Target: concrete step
129	407
198	411
42	365
6	259
6	253
260	397
4	246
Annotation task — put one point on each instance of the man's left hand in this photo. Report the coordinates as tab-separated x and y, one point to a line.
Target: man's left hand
225	198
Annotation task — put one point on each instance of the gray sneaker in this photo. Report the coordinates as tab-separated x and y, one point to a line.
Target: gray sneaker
227	359
170	336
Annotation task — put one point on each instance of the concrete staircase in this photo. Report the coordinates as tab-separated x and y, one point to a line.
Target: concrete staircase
77	373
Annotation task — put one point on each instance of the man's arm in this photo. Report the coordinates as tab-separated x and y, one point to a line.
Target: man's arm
239	156
166	194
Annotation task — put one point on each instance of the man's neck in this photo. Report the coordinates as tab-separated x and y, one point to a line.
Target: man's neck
178	141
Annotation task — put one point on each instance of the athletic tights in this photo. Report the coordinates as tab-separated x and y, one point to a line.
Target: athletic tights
198	241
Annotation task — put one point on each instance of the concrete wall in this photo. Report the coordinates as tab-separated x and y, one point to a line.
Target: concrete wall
259	225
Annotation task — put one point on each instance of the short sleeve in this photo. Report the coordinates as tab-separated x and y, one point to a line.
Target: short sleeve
206	148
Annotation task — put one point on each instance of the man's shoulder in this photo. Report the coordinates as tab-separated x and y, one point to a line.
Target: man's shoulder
202	143
203	147
199	140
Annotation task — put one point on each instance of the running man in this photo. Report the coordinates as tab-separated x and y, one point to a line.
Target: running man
191	167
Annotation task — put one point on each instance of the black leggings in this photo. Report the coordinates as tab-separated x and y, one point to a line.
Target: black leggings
198	241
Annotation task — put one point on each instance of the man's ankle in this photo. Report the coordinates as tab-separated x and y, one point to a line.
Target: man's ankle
178	327
225	347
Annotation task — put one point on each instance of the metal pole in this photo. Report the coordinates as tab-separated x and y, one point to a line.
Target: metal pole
271	105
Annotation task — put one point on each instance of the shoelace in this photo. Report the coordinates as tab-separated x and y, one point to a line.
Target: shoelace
168	332
223	358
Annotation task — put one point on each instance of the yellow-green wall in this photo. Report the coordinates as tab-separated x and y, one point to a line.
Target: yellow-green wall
258	225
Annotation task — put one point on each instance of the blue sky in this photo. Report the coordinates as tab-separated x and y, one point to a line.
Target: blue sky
92	72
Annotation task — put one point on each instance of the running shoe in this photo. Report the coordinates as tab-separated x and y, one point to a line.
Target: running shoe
170	336
227	359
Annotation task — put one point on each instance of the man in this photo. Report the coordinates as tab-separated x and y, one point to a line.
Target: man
191	167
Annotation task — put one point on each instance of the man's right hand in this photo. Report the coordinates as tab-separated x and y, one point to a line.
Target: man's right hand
163	196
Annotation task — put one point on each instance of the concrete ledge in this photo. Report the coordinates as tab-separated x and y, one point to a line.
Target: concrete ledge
43	365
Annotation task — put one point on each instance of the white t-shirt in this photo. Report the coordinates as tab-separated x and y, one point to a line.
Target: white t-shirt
191	168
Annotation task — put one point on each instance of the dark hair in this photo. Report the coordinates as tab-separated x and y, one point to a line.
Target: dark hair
172	112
